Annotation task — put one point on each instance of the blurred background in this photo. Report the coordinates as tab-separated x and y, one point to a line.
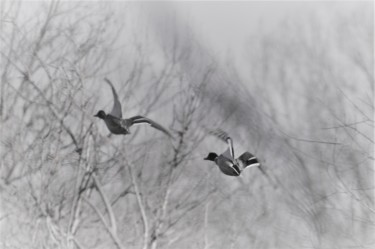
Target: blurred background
291	82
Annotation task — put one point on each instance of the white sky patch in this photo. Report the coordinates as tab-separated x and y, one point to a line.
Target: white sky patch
226	26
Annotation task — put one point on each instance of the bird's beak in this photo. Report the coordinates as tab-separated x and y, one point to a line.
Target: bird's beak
96	115
205	158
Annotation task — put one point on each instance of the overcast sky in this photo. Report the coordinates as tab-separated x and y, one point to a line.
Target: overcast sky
223	26
227	25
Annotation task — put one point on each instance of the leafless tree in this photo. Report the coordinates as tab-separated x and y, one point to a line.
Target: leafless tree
304	107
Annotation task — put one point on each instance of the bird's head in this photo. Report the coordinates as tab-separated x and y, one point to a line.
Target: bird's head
211	156
101	114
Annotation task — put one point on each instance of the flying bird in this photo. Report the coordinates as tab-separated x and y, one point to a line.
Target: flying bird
226	161
119	126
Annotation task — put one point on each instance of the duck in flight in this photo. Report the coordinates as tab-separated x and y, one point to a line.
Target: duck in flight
226	161
117	125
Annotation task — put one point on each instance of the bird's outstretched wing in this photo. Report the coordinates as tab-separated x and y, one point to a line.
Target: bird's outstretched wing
227	154
224	137
248	160
116	110
141	119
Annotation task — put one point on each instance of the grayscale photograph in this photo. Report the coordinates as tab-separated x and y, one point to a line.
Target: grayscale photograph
187	124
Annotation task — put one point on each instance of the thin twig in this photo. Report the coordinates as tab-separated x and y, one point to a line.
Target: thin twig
107	227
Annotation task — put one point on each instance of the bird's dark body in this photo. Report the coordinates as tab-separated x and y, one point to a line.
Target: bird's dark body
117	126
227	166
